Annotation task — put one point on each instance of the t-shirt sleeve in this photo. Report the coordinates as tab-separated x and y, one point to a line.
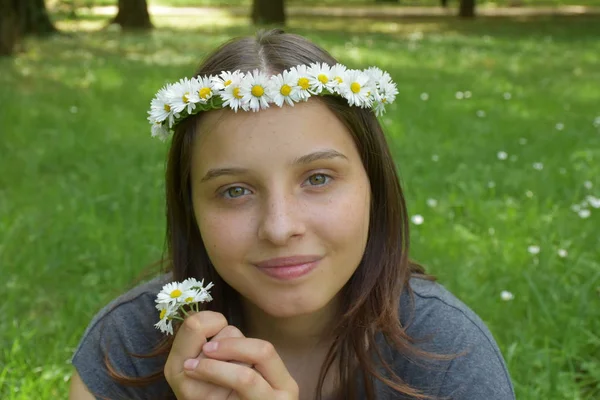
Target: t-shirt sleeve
122	329
447	326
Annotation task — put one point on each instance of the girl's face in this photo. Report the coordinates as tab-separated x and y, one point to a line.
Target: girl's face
281	182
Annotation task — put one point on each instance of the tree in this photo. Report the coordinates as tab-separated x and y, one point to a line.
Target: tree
268	12
9	27
22	17
33	18
467	9
133	14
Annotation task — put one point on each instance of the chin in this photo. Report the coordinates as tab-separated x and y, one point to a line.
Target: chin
289	308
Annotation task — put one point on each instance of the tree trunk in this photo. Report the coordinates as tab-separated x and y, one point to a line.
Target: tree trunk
133	14
467	9
33	18
268	12
9	27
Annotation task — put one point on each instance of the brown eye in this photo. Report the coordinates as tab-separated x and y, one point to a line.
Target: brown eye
318	179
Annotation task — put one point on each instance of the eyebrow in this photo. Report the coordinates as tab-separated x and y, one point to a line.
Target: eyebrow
327	154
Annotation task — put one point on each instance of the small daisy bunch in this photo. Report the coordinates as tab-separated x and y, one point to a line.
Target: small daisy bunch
254	91
173	299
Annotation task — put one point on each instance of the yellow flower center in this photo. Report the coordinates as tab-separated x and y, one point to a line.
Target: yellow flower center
227	82
339	79
303	83
384	100
185	98
355	87
257	91
286	90
175	293
189	299
236	93
163	313
167	108
323	78
205	92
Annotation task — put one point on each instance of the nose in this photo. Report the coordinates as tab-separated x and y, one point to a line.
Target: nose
281	219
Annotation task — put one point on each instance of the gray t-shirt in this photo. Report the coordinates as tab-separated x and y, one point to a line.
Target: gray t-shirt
440	322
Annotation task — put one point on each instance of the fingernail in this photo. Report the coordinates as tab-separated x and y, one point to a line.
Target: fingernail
192	363
210	346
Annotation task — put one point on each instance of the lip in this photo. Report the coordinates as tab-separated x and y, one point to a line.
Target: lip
287	268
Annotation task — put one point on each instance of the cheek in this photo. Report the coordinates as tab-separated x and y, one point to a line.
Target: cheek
225	236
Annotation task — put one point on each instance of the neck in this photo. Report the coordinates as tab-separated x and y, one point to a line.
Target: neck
292	334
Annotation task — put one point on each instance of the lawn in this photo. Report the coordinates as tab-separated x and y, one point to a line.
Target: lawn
496	133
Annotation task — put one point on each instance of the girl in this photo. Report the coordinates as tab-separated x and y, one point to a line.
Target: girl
281	191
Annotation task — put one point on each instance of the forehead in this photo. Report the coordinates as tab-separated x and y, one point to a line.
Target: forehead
274	135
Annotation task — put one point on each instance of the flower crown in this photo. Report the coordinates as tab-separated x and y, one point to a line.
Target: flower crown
369	88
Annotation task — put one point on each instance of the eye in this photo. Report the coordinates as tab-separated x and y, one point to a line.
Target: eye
318	179
234	192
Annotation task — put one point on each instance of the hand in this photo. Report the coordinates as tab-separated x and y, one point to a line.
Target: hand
187	345
263	377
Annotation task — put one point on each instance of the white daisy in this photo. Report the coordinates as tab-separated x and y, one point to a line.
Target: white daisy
254	91
302	81
232	94
160	107
225	79
562	253
183	96
173	293
282	88
160	131
338	77
356	88
384	95
166	314
319	75
204	89
417	219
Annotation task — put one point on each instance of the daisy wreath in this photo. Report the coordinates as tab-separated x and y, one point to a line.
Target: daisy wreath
370	88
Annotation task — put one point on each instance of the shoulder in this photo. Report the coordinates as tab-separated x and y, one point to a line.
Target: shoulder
120	330
442	324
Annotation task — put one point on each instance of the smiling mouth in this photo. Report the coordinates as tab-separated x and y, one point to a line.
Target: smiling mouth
290	268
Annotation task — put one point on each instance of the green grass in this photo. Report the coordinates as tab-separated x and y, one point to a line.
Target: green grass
81	193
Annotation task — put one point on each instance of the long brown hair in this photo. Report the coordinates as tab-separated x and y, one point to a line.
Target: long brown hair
372	295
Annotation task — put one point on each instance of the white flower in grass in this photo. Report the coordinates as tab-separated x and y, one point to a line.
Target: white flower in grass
533	249
319	75
302	81
506	295
417	219
585	213
356	89
338	78
432	203
254	91
424	96
593	201
225	78
538	165
588	184
502	155
160	107
204	88
184	96
562	253
282	88
232	93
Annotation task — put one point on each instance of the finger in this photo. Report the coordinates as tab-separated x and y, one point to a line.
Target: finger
192	334
258	353
248	383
